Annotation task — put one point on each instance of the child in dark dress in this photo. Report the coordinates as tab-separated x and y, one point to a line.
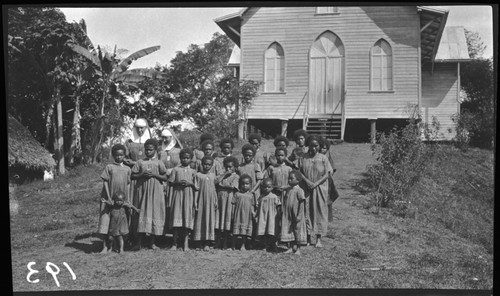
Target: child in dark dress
244	212
118	224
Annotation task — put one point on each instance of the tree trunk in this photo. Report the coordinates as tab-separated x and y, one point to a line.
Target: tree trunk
60	141
48	125
76	144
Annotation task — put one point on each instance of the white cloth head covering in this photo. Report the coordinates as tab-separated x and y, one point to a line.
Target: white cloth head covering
141	122
166	133
136	138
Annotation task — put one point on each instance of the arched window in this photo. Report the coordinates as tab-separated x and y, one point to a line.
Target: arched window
381	66
274	73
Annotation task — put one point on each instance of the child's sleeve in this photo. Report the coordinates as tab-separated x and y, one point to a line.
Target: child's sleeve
235	182
300	194
258	172
137	167
172	176
162	169
105	173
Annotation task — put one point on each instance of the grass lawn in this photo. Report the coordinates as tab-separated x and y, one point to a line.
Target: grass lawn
448	245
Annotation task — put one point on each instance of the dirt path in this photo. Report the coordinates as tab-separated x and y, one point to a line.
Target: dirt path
361	250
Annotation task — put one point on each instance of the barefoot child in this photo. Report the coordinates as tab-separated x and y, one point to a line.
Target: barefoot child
118	225
206	204
245	204
116	177
150	174
268	208
227	185
182	198
293	226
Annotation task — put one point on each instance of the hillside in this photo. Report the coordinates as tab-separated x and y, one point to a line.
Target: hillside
447	245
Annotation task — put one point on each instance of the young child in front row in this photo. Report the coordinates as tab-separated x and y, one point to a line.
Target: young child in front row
293	224
182	201
268	208
227	185
150	174
118	224
245	204
115	177
206	204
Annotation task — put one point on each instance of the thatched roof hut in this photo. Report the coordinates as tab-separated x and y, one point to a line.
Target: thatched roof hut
25	152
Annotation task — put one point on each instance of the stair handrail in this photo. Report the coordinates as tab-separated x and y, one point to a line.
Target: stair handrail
298	107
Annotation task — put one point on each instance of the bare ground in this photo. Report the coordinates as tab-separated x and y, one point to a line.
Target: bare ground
362	250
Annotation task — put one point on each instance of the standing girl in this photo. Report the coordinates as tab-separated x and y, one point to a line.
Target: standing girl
260	157
245	204
182	201
206	204
168	152
299	137
226	146
198	154
227	185
150	174
118	226
116	178
293	227
333	194
250	167
135	151
268	208
316	169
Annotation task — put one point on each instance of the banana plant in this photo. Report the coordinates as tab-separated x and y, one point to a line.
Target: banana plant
111	72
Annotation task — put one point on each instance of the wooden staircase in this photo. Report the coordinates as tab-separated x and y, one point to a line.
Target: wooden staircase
327	126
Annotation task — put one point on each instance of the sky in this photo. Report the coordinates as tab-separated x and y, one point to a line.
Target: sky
174	29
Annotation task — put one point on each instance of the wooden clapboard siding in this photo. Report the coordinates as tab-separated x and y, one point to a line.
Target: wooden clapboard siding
296	28
439	96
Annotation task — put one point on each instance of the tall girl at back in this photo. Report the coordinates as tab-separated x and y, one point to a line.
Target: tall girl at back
260	157
182	201
245	205
198	153
150	174
316	169
206	204
116	178
250	167
227	185
299	137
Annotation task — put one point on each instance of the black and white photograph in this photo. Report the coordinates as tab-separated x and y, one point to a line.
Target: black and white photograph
227	147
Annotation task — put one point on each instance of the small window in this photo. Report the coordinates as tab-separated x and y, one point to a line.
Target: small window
274	69
381	66
327	9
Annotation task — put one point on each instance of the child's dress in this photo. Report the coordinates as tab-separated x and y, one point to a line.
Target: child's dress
182	198
204	225
217	167
244	207
279	174
151	197
267	214
118	177
293	224
224	202
118	224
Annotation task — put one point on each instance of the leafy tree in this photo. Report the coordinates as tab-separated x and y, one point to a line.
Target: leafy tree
209	94
39	67
477	117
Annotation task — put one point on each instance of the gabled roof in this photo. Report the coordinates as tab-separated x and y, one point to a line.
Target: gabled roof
432	22
453	46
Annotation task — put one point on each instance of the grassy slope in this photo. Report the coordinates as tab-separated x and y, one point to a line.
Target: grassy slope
56	221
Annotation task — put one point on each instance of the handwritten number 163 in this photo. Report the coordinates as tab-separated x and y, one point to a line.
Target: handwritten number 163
51	268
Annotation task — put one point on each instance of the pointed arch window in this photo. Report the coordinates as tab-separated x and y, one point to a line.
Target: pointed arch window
381	66
274	72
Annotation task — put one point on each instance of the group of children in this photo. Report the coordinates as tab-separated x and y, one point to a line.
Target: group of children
218	200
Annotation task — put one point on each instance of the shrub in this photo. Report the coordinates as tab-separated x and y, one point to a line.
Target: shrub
190	138
402	156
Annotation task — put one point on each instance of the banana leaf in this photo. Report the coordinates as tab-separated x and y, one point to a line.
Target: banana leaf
86	53
137	75
125	63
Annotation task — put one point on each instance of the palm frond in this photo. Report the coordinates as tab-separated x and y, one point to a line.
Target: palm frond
125	63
